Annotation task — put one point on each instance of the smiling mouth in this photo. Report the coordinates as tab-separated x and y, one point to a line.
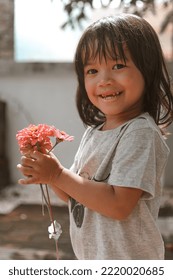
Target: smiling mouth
110	96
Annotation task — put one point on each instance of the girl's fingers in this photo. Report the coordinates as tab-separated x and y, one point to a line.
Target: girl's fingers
32	176
35	155
27	181
38	168
27	171
27	161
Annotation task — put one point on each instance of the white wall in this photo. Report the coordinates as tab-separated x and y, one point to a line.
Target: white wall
47	97
43	93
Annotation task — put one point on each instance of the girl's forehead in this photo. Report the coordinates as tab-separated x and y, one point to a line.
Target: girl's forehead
94	51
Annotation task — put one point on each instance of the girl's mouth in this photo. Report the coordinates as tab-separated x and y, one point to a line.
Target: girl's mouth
110	96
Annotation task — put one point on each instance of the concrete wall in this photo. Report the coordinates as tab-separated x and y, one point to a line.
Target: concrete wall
6	28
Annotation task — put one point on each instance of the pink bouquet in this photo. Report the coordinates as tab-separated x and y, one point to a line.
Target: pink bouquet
38	137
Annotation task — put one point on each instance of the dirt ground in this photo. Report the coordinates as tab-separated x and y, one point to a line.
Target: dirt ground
24	230
24	234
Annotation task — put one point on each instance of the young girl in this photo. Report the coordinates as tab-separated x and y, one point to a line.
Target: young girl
114	187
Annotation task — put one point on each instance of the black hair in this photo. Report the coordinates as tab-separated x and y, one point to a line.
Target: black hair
106	37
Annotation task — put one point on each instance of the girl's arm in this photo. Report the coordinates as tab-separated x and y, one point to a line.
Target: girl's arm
112	201
61	194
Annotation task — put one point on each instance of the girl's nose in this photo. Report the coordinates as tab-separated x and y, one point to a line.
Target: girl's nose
105	79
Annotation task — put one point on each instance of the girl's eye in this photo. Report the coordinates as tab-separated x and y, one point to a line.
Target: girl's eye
119	66
91	71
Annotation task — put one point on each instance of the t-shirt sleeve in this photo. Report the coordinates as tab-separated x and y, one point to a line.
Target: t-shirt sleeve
139	160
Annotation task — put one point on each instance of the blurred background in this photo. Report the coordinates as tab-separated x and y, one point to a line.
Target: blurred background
37	85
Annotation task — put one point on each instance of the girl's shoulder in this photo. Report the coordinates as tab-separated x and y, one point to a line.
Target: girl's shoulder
143	121
145	127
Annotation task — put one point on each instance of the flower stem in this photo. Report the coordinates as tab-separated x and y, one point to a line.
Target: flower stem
50	208
56	143
46	198
48	204
57	251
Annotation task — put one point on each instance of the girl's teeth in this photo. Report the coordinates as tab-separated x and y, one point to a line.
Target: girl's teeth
110	96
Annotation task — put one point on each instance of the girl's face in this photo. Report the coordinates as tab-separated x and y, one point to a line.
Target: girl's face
115	87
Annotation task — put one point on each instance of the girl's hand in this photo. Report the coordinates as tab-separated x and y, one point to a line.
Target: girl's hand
39	168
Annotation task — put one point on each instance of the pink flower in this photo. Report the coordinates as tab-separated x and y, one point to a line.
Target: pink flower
62	136
38	138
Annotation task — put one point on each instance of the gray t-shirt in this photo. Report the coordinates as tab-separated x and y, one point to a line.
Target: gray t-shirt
132	155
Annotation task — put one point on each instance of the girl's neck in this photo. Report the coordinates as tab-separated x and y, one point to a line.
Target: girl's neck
112	123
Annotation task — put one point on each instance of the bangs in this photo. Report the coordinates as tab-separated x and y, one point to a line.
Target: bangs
104	45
